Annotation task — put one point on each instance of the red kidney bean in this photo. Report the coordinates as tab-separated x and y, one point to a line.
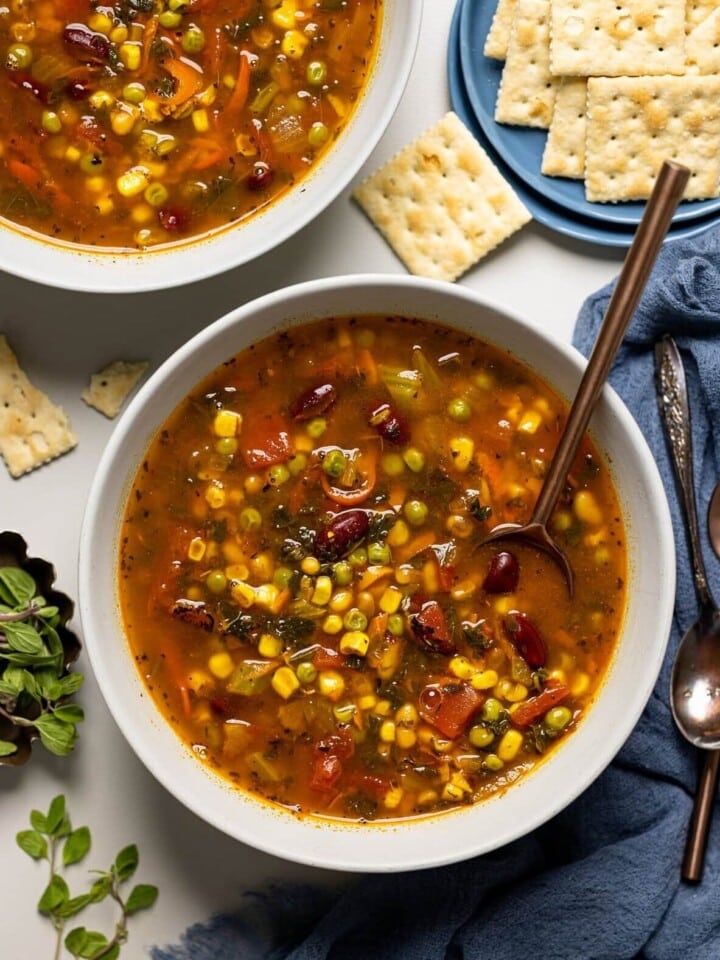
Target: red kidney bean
173	220
193	612
389	424
341	535
430	629
503	573
526	639
86	44
260	177
313	402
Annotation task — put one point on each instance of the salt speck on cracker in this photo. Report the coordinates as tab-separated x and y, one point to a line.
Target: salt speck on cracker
32	429
441	203
110	387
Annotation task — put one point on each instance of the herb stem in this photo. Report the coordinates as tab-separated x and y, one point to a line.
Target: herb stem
16	720
19	615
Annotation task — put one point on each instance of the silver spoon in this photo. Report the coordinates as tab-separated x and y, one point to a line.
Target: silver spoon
695	679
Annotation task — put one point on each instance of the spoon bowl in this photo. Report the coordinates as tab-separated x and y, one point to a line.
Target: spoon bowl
695	682
667	193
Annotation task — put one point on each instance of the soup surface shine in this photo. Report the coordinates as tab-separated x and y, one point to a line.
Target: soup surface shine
147	122
301	583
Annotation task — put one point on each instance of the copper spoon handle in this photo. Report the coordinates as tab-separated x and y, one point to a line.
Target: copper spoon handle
667	192
694	859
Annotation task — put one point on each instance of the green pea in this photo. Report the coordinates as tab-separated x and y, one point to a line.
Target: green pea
334	463
134	92
250	519
355	619
297	463
216	581
278	474
305	672
226	446
170	19
19	57
459	409
316	73
156	194
318	134
492	710
493	762
396	624
316	427
193	40
51	122
556	719
343	573
415	512
358	558
344	712
393	464
480	736
414	459
378	553
91	164
282	577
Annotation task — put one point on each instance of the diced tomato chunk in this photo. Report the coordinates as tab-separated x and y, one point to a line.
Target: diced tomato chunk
449	707
266	442
430	629
534	708
324	658
327	763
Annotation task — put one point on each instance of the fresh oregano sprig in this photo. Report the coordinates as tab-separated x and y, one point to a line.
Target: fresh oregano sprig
34	681
52	838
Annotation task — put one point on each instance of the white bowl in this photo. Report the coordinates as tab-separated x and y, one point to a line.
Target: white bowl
75	268
443	838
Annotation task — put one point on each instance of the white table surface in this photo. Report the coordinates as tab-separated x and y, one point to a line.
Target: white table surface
62	337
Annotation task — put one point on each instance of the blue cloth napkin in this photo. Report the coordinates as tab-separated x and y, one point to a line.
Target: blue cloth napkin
602	879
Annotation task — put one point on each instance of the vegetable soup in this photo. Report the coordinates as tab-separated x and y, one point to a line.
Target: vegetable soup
303	588
145	122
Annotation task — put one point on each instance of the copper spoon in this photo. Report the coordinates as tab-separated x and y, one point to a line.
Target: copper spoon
648	239
696	668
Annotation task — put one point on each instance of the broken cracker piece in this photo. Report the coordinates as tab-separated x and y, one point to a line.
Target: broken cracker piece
33	430
634	123
564	153
527	90
110	387
441	203
496	42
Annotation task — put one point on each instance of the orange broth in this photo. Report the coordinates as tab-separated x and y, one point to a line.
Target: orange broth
301	583
145	122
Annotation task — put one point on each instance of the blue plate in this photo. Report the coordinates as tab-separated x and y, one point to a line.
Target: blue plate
522	147
555	217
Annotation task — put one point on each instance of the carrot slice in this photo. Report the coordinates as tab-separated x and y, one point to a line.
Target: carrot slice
534	708
353	495
240	92
188	81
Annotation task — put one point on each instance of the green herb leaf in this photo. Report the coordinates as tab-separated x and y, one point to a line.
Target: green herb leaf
55	814
55	894
69	713
94	943
57	736
7	749
141	897
76	940
47	613
126	862
112	953
24	638
76	846
73	906
70	684
16	586
38	821
100	888
33	844
13	678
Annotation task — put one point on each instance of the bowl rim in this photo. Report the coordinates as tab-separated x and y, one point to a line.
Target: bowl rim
35	257
370	857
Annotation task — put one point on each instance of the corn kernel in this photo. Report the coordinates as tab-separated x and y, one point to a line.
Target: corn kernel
387	731
215	495
130	54
284	15
72	154
331	684
322	592
104	206
459	780
484	680
558	675
406	714
461	452
96	184
580	685
221	665
405	738
119	34
503	605
511	692
452	792
243	594
332	624
382	708
200	120
440	744
354	642
122	122
310	565
390	600
262	565
586	508
427	798
132	182
406	573
509	745
392	798
430	579
462	668
463	590
266	595
399	534
341	601
284	682
208	96
196	549
562	520
294	43
226	423
529	421
367	702
100	23
141	213
270	646
199	680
